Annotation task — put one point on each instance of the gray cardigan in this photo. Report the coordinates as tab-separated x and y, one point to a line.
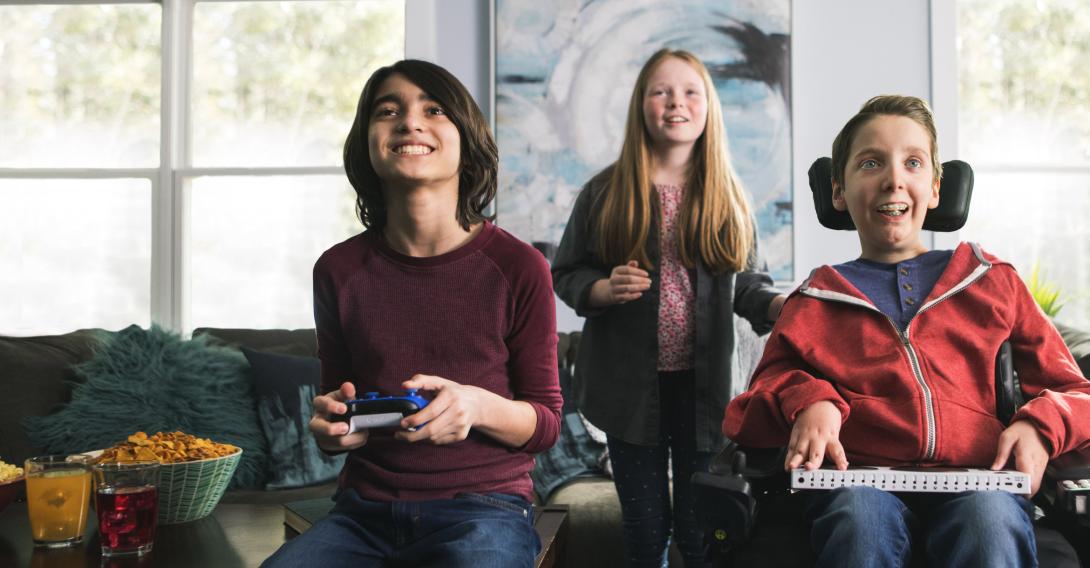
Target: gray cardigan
616	377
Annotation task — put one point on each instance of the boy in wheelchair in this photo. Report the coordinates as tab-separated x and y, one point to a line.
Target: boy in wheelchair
889	359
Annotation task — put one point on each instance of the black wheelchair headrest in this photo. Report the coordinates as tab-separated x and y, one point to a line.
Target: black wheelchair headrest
955	193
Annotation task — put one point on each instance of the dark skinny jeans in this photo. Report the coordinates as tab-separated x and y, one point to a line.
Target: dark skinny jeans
640	474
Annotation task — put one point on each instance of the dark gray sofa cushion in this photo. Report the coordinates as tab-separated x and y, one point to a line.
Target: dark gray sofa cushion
36	377
301	342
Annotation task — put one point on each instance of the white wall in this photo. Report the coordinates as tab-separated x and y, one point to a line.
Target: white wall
843	52
457	35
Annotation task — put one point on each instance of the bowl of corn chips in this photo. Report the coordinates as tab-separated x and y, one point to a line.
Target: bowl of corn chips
11	483
193	472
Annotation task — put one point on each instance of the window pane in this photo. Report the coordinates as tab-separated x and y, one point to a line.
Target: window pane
254	241
1038	218
1023	87
276	83
79	85
74	254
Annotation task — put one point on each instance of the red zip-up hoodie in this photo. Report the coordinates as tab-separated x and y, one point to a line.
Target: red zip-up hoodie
922	396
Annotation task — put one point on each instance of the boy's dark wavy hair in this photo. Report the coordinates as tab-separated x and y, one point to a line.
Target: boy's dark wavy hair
479	157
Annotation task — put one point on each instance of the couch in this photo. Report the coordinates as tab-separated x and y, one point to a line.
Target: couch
36	376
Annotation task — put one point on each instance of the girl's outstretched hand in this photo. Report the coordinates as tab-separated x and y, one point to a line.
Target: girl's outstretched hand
815	434
626	282
1024	443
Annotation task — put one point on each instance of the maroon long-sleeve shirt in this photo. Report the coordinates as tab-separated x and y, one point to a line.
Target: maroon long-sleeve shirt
481	315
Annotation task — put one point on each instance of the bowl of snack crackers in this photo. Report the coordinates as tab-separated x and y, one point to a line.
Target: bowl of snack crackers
11	483
193	472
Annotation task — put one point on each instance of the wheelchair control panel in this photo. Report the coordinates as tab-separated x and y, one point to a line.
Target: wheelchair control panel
1072	495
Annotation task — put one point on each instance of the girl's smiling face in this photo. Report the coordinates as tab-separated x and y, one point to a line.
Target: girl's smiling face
889	184
675	104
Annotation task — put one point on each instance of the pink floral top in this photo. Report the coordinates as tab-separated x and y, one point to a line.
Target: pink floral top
676	296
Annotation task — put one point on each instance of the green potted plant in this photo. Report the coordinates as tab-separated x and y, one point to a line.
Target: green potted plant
1047	294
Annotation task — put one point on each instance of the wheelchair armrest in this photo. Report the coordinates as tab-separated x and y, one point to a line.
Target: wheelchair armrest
725	507
1072	465
751	463
1068	486
726	502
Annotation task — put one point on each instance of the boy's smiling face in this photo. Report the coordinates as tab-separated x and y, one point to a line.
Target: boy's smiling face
411	139
889	184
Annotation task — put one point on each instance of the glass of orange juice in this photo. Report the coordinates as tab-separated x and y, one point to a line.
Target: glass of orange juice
58	492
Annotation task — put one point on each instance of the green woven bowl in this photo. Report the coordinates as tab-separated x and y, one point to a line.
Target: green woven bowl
10	489
191	490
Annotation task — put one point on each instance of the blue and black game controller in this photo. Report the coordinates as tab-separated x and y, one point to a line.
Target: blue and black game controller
374	411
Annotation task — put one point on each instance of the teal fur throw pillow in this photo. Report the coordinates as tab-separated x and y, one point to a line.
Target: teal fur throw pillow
153	380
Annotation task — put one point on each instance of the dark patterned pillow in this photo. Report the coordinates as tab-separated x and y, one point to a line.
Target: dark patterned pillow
285	387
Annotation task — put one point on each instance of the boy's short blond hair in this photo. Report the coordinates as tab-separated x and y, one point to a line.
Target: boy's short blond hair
914	108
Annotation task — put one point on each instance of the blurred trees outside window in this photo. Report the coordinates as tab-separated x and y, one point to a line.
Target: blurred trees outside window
1024	126
79	86
241	178
276	83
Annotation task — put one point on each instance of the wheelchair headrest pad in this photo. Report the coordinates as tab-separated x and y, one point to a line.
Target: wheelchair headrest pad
955	193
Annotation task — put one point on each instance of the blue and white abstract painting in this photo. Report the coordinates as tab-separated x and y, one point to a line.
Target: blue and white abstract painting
565	71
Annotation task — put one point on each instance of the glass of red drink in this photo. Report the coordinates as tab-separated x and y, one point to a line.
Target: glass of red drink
127	506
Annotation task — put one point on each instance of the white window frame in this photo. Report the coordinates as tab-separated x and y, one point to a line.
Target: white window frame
944	102
170	265
944	93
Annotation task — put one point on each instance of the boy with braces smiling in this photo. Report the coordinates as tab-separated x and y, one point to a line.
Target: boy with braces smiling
889	360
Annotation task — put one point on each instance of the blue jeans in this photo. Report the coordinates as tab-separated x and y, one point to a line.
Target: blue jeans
472	531
643	486
863	526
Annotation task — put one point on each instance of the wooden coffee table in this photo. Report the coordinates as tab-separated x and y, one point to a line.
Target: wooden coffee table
233	535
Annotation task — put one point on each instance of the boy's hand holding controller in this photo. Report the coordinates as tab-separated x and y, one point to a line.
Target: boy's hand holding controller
1024	443
455	408
626	282
816	433
447	418
332	435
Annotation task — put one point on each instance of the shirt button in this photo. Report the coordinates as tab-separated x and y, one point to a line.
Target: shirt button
903	271
907	286
910	301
